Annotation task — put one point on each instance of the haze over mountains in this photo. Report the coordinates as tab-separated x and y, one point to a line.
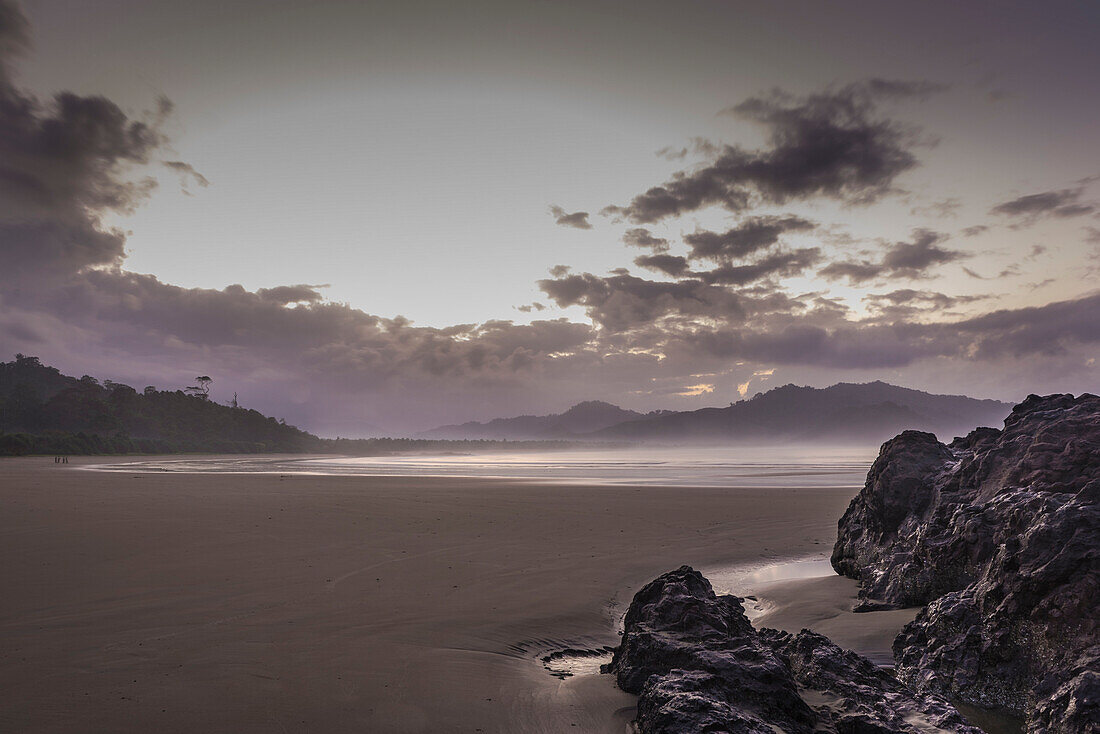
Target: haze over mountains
582	418
843	413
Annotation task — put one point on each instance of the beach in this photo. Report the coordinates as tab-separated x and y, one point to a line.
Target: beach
183	602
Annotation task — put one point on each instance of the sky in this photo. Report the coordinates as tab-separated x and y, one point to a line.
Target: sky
380	217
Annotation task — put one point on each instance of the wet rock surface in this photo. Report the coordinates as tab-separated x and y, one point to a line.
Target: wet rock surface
699	666
998	534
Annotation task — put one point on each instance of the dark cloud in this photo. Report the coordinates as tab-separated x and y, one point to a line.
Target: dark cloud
907	303
911	259
975	230
778	264
1042	330
641	237
673	265
1049	330
42	250
855	272
900	260
1032	207
64	163
832	144
577	220
622	302
750	235
14	37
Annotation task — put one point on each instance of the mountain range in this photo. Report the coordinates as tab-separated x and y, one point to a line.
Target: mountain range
843	413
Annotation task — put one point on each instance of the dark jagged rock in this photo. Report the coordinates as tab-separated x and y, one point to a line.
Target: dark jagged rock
699	666
677	623
866	697
998	534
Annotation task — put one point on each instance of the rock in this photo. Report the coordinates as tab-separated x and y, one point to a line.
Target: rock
998	534
699	666
865	698
677	623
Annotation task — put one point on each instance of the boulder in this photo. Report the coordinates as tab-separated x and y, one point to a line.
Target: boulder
998	535
699	666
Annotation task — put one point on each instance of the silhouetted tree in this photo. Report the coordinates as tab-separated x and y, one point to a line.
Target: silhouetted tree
201	388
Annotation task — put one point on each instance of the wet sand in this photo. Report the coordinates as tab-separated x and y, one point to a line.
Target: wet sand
824	605
254	603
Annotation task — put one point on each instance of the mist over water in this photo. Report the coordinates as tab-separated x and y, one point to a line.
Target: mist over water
712	466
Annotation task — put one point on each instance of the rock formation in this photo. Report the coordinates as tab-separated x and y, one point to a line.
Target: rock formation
998	533
699	666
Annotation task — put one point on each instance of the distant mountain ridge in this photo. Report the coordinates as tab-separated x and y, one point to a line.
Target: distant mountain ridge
843	413
583	418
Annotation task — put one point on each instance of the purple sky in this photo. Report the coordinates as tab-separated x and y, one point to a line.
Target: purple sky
381	217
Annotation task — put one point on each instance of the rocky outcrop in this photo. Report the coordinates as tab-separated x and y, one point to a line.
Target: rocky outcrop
998	533
699	666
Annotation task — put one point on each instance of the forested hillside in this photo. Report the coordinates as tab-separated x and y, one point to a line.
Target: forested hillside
43	411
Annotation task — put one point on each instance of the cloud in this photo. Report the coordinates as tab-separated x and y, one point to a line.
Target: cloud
1040	330
287	294
14	35
750	235
1033	207
907	303
832	144
908	295
901	260
1049	330
641	237
577	220
779	264
64	164
673	265
622	302
187	173
910	259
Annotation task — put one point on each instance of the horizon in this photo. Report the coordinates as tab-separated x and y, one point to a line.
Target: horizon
396	217
416	434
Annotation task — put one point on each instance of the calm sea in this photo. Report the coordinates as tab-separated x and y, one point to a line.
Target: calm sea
785	466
